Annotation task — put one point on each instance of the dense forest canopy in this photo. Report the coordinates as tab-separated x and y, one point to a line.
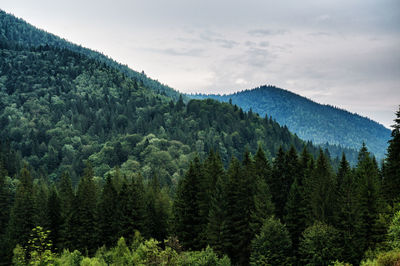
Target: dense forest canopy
309	120
97	167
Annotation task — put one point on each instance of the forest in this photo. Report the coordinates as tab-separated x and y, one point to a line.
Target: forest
294	210
101	166
309	120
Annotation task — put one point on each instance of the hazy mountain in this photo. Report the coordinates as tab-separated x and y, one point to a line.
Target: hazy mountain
310	120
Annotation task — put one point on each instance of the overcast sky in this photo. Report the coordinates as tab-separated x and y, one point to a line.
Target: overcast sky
340	52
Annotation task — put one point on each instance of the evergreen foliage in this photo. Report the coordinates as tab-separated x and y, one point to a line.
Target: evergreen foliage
272	246
311	121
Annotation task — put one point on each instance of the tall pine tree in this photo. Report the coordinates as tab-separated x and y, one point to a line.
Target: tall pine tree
391	182
188	221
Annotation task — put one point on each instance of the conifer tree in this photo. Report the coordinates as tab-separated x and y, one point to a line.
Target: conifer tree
22	213
263	206
370	198
85	226
107	211
347	216
278	189
54	215
67	200
239	214
391	182
132	208
5	202
40	197
217	229
322	191
186	208
295	217
158	211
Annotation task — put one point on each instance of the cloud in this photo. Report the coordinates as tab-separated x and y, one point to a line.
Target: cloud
266	32
179	52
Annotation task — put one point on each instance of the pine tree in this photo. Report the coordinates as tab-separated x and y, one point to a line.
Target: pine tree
322	191
54	214
132	208
22	213
295	217
40	198
186	208
158	211
107	211
370	198
347	216
239	213
5	202
84	218
67	199
391	182
278	188
208	174
263	206
217	229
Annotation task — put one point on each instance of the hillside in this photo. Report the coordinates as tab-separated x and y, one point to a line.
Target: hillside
310	120
59	108
20	32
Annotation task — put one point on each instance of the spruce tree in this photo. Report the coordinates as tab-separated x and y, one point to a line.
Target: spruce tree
107	211
217	228
158	208
188	225
347	216
132	208
67	200
22	213
391	182
84	218
295	217
40	197
278	185
239	214
5	202
54	215
322	191
370	199
263	206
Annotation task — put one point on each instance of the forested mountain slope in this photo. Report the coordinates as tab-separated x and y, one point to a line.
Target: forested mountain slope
59	108
18	31
310	120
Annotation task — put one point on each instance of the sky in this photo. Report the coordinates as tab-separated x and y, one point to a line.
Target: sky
345	53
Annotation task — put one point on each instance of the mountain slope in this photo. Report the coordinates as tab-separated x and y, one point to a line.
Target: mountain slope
310	120
20	32
59	108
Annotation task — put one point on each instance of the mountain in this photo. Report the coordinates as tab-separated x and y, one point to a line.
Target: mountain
59	108
20	32
310	120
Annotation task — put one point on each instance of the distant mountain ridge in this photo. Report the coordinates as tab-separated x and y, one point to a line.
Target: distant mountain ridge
310	120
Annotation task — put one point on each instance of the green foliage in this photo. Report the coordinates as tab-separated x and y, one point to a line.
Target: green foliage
312	121
186	208
388	258
272	246
391	184
319	245
394	232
